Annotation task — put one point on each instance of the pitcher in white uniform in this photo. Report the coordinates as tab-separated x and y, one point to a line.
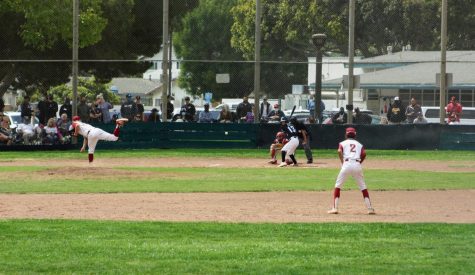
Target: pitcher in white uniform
92	135
352	154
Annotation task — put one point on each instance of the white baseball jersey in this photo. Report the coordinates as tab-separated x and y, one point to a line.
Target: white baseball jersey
93	135
352	150
353	154
84	128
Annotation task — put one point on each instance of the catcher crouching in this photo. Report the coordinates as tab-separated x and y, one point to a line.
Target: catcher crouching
279	142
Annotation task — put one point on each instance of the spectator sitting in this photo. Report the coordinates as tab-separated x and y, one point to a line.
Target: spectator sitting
420	119
243	108
63	124
6	133
226	116
154	117
205	116
188	111
276	114
178	118
361	118
341	117
52	134
28	132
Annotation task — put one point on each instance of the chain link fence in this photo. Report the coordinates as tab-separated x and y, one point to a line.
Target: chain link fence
397	50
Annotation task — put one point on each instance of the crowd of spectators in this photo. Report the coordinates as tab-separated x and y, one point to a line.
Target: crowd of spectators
54	130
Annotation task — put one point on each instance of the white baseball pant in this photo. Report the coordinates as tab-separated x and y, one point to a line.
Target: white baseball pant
353	168
97	134
291	146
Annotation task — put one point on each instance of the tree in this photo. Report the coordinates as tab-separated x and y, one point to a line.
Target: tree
112	29
204	34
42	30
287	27
86	86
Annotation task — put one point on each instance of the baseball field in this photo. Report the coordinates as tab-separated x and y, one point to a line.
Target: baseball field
228	211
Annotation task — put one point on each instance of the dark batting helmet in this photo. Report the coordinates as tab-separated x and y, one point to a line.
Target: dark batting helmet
284	119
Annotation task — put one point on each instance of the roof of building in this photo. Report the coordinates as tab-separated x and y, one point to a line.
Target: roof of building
134	86
415	70
420	56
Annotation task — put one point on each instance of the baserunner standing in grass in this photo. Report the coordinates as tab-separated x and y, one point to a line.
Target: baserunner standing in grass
352	154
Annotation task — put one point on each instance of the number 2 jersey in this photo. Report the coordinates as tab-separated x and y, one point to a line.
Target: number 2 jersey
352	150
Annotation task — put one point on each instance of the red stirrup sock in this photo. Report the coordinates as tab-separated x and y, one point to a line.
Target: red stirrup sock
91	157
272	155
116	131
365	193
336	197
367	201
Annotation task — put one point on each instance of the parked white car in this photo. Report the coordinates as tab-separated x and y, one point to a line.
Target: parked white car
432	115
15	119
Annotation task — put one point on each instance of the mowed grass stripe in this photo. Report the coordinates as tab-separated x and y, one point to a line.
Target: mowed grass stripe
58	246
233	153
142	179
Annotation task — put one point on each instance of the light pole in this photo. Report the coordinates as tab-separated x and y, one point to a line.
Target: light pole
318	41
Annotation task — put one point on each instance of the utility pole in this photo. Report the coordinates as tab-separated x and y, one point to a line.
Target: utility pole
75	65
443	62
319	41
351	59
257	61
75	68
165	65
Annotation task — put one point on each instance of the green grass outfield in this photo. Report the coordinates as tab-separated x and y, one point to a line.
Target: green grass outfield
112	247
213	248
34	179
234	153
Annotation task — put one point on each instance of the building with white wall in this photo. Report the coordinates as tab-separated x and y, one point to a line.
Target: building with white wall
155	73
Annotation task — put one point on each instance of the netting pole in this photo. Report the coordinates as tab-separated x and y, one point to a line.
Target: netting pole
257	61
443	61
351	58
165	65
75	63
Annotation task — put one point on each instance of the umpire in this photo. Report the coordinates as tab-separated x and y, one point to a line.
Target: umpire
304	138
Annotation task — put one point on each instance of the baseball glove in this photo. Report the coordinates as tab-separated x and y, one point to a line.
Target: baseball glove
278	146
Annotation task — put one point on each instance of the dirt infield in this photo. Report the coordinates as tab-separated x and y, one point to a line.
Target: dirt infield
442	166
274	207
451	206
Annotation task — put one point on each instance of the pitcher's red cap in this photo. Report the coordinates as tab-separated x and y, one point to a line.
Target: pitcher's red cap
350	130
76	118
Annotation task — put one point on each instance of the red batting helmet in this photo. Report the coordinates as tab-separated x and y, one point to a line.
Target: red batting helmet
76	118
350	132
